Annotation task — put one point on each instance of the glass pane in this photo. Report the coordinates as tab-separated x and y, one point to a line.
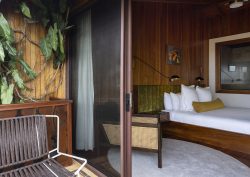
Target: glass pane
235	66
105	53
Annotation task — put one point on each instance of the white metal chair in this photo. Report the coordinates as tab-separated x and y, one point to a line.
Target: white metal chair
24	149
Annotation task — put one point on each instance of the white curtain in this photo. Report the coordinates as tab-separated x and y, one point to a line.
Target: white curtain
84	96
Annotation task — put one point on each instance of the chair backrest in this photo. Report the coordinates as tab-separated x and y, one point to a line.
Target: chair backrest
22	139
149	98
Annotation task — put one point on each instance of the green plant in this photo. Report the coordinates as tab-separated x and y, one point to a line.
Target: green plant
10	62
13	68
54	16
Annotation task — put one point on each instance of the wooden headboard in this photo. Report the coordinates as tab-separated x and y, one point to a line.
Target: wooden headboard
149	98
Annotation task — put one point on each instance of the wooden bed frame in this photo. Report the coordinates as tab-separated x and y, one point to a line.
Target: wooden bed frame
234	144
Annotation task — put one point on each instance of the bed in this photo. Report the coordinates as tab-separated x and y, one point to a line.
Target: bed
227	130
229	119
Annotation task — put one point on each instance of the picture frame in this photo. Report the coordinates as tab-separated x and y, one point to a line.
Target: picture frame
174	55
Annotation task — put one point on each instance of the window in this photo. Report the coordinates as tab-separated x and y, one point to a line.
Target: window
233	61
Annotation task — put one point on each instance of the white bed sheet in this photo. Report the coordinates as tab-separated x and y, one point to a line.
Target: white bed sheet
228	119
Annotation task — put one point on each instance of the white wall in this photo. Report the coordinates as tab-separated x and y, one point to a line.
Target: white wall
234	100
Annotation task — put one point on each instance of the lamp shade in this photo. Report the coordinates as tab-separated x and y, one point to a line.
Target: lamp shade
236	4
174	78
198	79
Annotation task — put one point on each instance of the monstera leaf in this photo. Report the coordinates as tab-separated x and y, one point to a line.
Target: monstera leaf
18	79
5	31
2	55
50	42
6	92
8	47
26	68
52	37
46	48
25	10
60	57
61	44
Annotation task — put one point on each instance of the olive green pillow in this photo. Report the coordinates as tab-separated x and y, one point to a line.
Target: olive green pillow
208	106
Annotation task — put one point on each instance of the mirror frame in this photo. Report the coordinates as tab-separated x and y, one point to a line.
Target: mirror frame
218	47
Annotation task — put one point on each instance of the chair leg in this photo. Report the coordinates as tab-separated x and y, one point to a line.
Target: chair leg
159	144
159	158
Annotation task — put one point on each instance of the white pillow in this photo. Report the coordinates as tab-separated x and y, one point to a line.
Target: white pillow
176	101
167	101
188	95
204	94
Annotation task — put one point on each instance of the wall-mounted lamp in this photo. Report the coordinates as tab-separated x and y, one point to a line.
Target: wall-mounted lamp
171	79
199	80
174	78
236	4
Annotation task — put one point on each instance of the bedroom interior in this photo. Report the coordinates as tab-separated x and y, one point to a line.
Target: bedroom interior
132	87
197	29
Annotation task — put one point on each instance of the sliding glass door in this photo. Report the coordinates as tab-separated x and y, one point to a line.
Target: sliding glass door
100	86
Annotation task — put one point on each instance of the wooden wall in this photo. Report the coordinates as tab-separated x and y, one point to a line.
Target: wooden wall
228	22
219	23
33	56
186	26
156	25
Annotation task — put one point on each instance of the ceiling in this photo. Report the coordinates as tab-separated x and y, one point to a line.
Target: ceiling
198	2
207	7
201	2
79	2
79	5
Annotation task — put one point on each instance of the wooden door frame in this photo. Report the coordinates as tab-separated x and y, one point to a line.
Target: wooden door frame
126	88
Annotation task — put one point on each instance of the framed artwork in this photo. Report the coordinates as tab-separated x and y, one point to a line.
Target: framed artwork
173	55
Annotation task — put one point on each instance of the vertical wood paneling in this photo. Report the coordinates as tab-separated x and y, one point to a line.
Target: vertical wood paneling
188	27
156	25
232	21
33	56
146	41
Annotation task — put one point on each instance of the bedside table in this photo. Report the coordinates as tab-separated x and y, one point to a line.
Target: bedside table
164	117
165	122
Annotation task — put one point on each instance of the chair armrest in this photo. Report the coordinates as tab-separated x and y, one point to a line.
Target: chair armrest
74	157
145	120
